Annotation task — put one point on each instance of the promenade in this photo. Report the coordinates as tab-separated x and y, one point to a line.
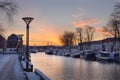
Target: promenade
10	68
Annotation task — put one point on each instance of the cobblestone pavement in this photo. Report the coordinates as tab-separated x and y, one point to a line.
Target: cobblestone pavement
10	68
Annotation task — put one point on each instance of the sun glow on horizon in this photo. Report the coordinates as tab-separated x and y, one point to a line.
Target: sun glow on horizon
52	18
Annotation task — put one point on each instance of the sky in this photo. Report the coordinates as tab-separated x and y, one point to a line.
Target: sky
53	17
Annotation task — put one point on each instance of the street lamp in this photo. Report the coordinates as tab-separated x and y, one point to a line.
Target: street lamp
27	21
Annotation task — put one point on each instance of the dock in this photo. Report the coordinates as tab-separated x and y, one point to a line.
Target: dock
11	68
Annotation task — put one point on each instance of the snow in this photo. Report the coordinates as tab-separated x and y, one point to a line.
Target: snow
43	77
32	76
19	70
10	68
23	63
3	60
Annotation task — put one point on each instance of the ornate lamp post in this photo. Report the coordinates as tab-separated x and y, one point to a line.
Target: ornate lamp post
27	21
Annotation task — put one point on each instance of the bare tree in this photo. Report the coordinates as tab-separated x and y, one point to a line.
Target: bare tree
113	26
1	30
67	38
10	9
80	36
89	34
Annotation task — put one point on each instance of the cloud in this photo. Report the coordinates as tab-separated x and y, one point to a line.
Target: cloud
79	13
99	29
89	21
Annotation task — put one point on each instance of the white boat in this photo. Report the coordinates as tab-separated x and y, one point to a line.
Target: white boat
34	50
104	56
50	52
60	52
75	53
67	53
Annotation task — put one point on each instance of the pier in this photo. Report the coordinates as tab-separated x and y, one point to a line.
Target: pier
11	69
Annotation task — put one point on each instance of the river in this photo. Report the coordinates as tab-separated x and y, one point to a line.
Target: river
67	68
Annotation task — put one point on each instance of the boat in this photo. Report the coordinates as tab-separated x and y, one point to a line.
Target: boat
34	50
67	53
75	53
55	52
104	56
60	52
89	55
50	52
115	56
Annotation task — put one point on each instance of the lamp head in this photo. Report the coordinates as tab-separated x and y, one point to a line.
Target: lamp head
27	20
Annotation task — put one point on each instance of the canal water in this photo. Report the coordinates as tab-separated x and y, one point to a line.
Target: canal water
67	68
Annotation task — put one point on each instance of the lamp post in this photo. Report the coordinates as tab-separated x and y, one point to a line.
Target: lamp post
27	21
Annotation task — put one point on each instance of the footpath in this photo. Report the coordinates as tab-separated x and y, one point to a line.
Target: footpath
11	69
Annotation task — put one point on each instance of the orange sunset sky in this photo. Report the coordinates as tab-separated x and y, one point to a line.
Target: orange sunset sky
53	17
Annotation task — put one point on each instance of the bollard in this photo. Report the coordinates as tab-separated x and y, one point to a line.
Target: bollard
31	68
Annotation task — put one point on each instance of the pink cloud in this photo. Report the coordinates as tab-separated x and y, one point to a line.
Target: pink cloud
81	23
99	29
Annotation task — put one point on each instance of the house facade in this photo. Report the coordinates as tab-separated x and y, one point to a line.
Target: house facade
105	44
2	42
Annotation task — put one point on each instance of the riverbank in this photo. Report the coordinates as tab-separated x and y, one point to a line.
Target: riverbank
11	68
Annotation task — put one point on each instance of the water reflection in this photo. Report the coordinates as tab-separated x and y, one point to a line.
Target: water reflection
66	68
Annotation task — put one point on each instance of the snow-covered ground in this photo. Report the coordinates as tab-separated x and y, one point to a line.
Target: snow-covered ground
10	68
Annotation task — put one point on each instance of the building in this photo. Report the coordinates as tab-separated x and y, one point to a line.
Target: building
14	43
105	44
2	42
